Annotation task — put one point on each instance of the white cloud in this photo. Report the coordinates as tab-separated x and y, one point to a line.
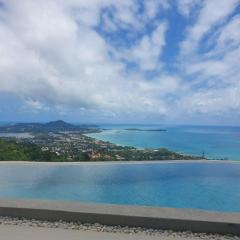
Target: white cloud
153	7
213	13
213	101
147	51
209	58
108	24
35	105
230	34
53	57
186	6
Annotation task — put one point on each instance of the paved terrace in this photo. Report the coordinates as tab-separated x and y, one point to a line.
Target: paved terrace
131	216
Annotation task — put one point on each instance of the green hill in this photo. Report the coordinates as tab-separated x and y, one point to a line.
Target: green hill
12	151
55	126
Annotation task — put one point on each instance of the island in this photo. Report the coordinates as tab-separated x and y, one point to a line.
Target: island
64	142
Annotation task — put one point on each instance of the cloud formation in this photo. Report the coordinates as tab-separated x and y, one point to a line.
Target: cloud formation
105	58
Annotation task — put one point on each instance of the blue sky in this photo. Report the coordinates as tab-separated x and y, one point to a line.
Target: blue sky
120	61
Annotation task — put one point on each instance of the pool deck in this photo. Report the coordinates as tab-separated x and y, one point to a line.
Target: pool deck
131	216
9	232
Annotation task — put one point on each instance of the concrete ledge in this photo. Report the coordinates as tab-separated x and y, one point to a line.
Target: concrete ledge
147	217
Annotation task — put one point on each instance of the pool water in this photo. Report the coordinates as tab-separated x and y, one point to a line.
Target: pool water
210	185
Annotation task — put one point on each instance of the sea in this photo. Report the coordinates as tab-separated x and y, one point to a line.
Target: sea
213	142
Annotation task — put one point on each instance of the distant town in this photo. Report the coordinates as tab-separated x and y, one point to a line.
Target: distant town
61	141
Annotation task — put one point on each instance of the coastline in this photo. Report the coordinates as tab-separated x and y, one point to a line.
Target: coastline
216	152
91	149
93	136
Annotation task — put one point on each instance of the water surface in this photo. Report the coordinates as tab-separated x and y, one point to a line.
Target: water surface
209	186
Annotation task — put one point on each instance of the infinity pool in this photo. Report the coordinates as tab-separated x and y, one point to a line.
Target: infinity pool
209	185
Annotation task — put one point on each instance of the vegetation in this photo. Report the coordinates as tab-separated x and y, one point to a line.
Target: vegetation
13	151
133	154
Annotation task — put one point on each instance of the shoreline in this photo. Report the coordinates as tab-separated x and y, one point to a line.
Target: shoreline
149	151
93	135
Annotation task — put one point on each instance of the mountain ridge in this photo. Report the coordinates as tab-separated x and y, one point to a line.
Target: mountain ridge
52	126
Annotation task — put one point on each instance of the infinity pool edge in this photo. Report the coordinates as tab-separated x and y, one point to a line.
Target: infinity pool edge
120	162
124	215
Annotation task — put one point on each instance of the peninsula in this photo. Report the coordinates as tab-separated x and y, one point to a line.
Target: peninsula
64	142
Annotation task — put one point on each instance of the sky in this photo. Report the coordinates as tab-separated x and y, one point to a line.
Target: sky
120	61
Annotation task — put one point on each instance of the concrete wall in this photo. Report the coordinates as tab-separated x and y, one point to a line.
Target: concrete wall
148	217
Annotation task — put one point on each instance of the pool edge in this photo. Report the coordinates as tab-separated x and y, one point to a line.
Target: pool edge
182	161
132	216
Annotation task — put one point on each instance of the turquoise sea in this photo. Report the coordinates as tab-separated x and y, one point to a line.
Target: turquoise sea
217	142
